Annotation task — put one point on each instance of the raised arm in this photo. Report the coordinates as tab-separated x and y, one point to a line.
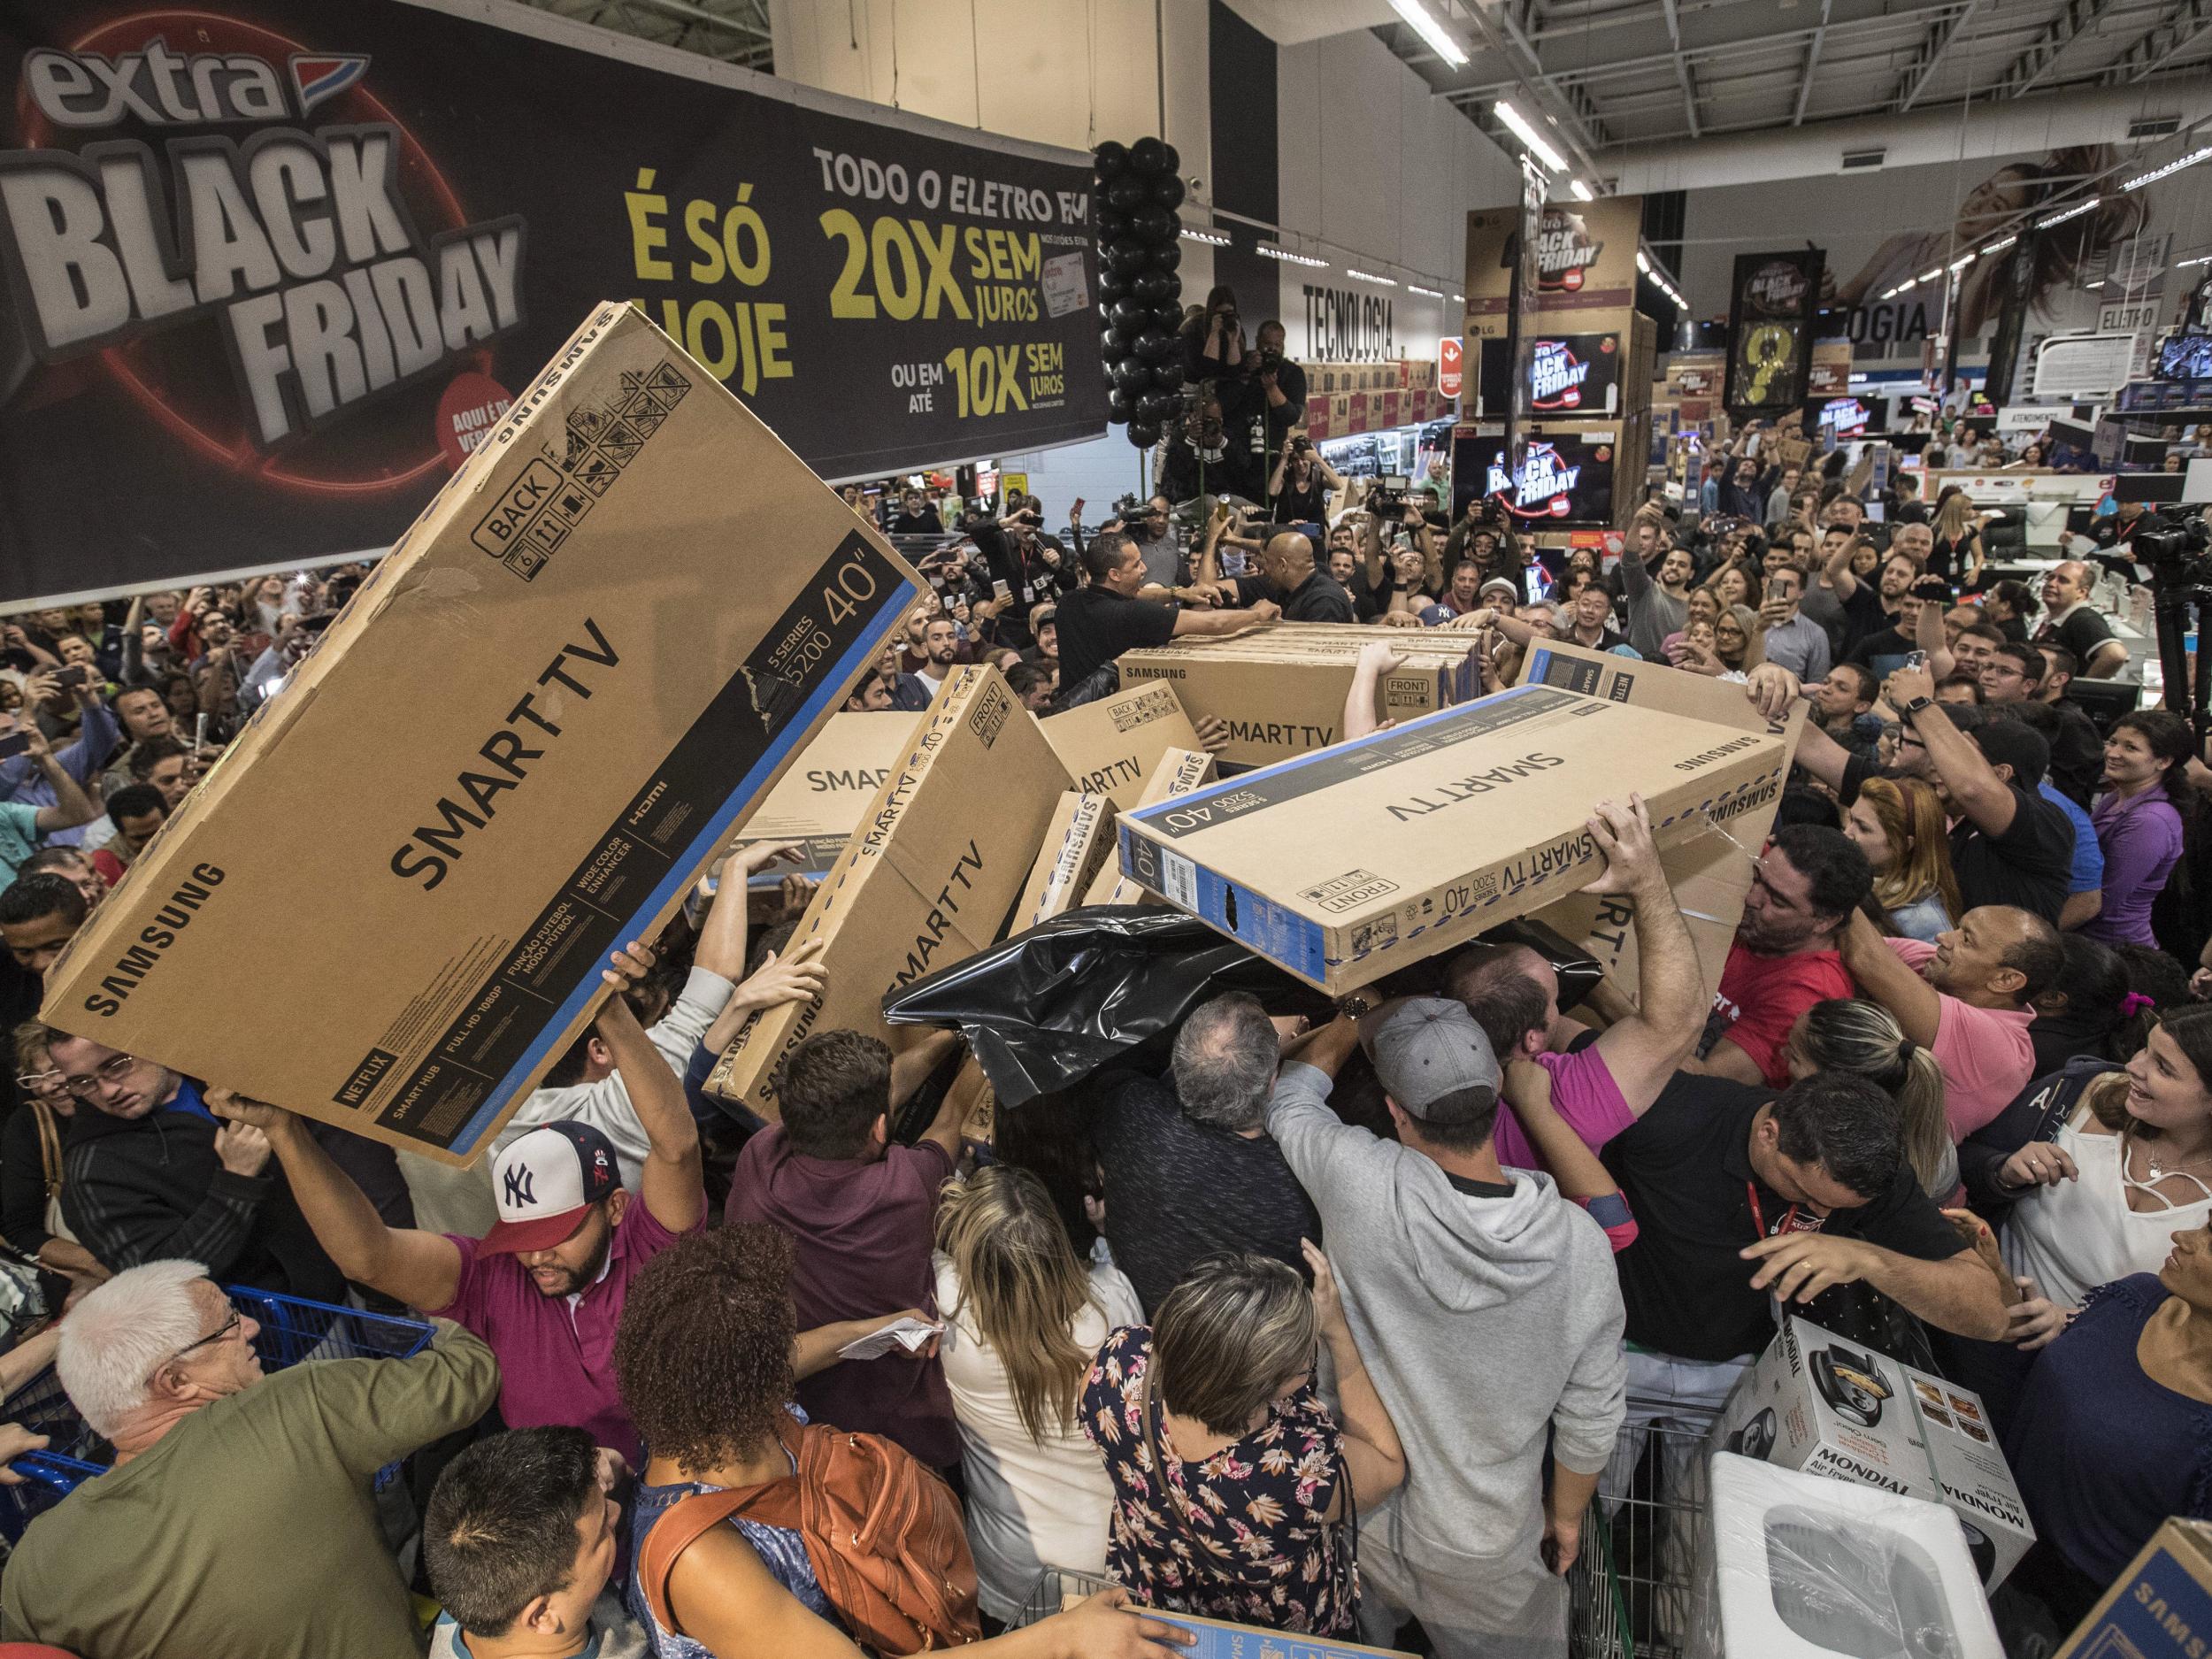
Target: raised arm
1837	573
420	1268
1928	634
1975	788
1376	659
1643	1050
1883	976
1189	622
671	1183
72	805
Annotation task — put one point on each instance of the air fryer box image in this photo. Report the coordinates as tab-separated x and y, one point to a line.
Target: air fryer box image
1971	1472
820	802
1710	873
928	879
1109	747
1815	1402
1344	863
1789	1566
1280	689
534	724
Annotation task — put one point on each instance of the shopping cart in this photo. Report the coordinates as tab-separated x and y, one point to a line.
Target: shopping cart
292	1330
1629	1591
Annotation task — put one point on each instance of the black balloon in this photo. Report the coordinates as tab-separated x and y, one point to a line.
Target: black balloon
1144	435
1169	376
1168	313
1133	376
1106	225
1111	344
1128	256
1126	194
1151	225
1154	345
1159	407
1167	190
1131	315
1109	158
1119	406
1154	286
1149	157
1167	255
1111	288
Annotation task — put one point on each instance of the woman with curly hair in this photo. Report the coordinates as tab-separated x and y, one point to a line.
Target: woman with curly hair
703	1359
1232	1483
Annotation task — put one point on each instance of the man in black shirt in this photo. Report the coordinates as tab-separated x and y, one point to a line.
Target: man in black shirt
1289	577
916	517
1279	384
1883	651
2012	679
1099	621
1189	1170
1742	1194
2070	620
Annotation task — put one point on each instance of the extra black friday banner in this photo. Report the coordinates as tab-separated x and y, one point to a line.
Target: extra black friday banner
1775	297
272	267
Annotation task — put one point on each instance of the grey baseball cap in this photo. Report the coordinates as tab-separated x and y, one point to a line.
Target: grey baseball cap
1426	1047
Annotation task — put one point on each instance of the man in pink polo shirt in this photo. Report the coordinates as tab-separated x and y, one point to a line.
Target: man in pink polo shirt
545	1287
1968	997
1602	1088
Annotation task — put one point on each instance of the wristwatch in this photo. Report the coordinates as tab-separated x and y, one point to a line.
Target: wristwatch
1915	706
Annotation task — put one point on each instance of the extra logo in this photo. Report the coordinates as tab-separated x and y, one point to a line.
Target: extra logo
522	1192
1545	487
253	197
1776	289
1556	376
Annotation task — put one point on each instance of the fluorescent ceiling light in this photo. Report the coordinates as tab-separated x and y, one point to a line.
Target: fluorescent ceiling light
1423	23
1206	236
1459	297
1929	276
1999	247
2181	264
1362	276
1643	264
1519	126
1414	288
1583	192
2189	160
2097	284
1960	265
2071	213
1288	257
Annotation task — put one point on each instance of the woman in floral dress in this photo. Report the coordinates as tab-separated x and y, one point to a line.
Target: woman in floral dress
1254	1520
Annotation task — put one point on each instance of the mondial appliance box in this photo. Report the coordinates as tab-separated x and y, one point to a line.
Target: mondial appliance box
534	727
1344	863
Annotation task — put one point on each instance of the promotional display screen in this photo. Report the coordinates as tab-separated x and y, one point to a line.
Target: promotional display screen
1567	374
273	271
1563	479
1848	415
2186	358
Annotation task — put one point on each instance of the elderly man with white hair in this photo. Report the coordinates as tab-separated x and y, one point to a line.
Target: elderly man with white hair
238	1517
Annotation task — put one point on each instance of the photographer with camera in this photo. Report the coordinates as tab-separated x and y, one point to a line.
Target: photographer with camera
1213	342
1280	383
1300	487
1023	568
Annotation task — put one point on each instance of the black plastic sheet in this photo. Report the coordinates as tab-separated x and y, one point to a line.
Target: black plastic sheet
1110	984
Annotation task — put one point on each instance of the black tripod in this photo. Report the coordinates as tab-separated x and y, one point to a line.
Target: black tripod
2181	601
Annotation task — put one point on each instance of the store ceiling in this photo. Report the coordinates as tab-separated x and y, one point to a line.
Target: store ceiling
734	31
1642	71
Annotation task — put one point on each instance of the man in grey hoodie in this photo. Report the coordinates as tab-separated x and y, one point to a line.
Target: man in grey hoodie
1488	1310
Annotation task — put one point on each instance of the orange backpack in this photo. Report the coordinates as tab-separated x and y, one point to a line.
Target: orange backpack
882	1532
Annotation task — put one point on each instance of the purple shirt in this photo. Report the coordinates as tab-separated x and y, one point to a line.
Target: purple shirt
2141	837
862	1230
556	1360
1590	1102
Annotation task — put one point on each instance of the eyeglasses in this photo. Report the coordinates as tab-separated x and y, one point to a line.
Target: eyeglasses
227	1326
40	1083
107	1071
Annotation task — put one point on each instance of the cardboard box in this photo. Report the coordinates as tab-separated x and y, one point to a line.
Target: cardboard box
1709	872
1343	864
1111	747
1077	842
1180	770
926	880
412	878
1815	1402
1280	689
2160	1608
821	799
1220	1641
1789	1566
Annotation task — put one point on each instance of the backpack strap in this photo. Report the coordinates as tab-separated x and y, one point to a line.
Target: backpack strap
48	1147
690	1519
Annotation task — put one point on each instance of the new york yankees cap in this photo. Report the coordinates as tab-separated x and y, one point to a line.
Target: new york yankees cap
545	1182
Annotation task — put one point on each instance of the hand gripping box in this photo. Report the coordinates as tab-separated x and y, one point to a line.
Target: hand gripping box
534	724
1280	689
1709	872
1344	863
928	878
820	801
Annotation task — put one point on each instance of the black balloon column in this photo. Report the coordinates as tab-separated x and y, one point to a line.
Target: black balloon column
1134	194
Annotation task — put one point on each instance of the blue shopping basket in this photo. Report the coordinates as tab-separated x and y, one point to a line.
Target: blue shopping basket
292	1330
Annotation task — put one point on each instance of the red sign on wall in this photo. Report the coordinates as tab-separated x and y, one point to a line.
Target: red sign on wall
1447	355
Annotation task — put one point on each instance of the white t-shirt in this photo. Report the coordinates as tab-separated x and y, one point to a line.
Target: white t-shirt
1029	1506
2072	1237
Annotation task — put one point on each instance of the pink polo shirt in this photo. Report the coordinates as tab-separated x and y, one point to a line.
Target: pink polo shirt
1984	1052
555	1353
